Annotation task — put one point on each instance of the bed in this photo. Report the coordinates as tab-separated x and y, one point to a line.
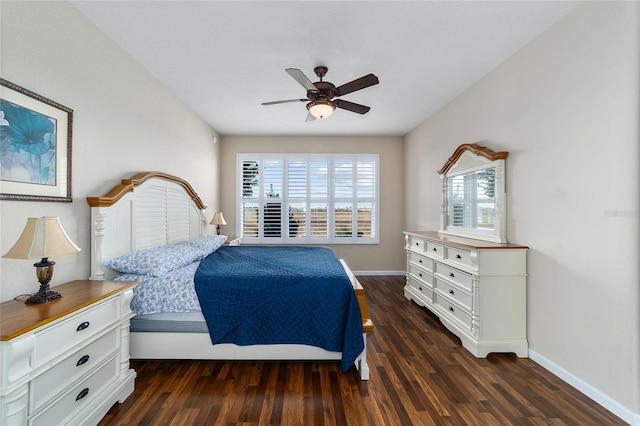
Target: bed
154	212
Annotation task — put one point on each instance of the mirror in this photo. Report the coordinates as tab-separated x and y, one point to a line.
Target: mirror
473	194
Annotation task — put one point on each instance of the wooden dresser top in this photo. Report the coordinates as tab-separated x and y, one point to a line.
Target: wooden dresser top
460	241
17	317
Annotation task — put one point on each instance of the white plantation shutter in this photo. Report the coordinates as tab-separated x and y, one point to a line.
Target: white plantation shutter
343	191
343	178
272	178
343	214
318	225
365	219
365	198
308	199
318	198
319	179
250	219
297	220
272	201
249	208
297	179
297	195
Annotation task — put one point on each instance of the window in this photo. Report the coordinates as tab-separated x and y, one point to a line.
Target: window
308	199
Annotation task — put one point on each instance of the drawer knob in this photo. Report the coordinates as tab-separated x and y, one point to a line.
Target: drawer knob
82	360
417	244
451	308
83	326
451	292
435	249
84	392
420	274
458	256
420	288
420	261
451	274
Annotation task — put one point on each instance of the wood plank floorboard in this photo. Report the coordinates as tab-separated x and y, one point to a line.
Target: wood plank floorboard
420	375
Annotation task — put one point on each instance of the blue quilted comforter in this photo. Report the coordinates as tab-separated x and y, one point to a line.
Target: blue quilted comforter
267	295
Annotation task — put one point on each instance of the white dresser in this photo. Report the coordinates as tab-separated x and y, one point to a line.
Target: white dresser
66	361
476	288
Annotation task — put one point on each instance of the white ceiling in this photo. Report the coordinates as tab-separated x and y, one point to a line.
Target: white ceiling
224	58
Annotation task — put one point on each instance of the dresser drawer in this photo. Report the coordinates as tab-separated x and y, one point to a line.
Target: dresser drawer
79	395
416	244
422	278
421	274
435	249
452	274
461	297
452	311
422	261
58	338
463	257
421	287
72	368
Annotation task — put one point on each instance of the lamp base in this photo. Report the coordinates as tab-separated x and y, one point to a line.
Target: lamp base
44	272
43	295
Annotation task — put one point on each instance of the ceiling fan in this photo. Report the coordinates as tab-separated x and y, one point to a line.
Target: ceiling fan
321	94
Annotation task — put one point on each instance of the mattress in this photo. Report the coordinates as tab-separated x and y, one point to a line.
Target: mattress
169	322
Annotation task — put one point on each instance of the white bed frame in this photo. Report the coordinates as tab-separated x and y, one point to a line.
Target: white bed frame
154	209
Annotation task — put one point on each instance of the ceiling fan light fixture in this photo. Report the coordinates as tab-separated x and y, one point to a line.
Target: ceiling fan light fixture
321	108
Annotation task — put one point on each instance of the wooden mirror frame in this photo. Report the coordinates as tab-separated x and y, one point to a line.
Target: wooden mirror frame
468	159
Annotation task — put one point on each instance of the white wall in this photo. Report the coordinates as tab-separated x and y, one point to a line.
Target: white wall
566	107
124	122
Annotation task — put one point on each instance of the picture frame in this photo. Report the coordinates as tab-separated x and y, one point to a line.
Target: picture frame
35	146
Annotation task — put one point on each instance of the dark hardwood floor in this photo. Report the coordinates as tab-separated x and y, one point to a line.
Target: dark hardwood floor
420	375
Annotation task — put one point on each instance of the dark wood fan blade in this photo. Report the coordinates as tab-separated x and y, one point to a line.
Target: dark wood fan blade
350	106
301	78
285	102
357	84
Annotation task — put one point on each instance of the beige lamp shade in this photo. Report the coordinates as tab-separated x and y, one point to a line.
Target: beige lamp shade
218	219
42	237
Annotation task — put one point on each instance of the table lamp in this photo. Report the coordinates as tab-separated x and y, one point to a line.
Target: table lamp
218	219
42	237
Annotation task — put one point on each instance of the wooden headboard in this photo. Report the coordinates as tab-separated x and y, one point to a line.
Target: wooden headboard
149	210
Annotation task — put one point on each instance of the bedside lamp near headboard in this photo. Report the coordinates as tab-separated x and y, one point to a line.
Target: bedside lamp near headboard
218	220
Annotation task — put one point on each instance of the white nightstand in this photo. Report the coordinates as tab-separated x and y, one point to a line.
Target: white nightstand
66	361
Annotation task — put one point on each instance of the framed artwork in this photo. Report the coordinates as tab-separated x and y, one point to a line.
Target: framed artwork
35	146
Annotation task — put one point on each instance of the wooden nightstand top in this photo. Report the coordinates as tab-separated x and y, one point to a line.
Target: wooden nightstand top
17	317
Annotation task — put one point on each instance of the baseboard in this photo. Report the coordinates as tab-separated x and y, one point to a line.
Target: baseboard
606	401
379	272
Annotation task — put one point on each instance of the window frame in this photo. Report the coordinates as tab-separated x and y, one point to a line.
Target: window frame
285	200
